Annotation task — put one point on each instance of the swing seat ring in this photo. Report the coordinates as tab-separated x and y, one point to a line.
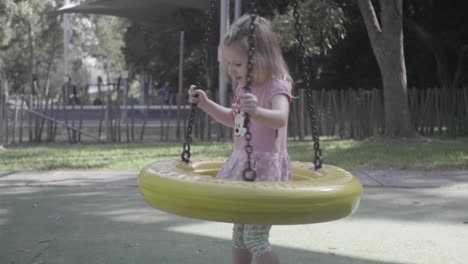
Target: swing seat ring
191	190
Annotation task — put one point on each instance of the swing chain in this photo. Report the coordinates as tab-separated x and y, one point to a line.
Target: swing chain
185	155
188	139
207	36
306	74
249	173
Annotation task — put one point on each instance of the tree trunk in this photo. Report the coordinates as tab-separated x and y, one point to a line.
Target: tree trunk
386	39
3	120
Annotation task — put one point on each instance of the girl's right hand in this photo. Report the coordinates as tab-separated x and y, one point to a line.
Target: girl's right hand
196	96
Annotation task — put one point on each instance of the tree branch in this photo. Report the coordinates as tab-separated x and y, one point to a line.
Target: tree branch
398	7
435	47
459	71
370	17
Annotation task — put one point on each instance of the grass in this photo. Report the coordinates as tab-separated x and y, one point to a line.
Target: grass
444	153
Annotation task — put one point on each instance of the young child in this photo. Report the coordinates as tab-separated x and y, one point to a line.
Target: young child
268	107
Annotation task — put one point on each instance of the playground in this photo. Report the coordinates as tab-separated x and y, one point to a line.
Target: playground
180	131
99	217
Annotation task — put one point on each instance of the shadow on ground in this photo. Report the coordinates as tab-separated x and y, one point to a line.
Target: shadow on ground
113	225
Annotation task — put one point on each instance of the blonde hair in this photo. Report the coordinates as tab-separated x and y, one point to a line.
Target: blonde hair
268	62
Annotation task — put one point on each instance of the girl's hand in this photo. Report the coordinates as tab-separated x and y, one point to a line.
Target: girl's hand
248	103
196	96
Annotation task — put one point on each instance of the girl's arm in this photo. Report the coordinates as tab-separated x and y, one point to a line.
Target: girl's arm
276	117
220	113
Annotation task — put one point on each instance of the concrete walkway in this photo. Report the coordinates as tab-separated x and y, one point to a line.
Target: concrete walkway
68	217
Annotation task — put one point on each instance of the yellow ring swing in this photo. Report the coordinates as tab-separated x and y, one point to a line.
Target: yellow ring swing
188	188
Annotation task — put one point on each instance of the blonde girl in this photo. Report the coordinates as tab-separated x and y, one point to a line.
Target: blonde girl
268	108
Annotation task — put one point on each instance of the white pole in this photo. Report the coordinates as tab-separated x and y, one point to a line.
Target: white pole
3	120
224	24
181	62
66	37
66	40
238	9
124	76
237	14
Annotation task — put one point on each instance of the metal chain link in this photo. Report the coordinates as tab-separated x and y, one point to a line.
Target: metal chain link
249	173
306	74
186	154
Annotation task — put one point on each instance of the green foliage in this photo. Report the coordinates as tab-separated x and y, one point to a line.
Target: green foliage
154	48
109	42
323	26
14	14
31	42
160	48
7	13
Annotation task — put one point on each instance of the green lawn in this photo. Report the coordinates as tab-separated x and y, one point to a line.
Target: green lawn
447	153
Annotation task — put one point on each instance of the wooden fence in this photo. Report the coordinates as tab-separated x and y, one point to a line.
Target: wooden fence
340	113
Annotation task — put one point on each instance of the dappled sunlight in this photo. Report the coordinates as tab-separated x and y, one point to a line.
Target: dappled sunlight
350	154
437	205
4	216
72	179
117	223
343	144
82	194
464	156
101	215
133	215
205	228
4	191
376	234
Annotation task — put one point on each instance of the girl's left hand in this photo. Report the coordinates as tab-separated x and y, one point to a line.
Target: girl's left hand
248	103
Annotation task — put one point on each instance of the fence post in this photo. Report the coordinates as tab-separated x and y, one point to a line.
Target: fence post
107	118
124	115
301	114
3	123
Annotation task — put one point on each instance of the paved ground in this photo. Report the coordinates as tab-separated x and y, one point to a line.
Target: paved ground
68	217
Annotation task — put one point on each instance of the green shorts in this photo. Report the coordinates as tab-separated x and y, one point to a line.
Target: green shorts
252	237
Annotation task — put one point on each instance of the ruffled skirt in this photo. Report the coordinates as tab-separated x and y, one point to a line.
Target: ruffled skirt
268	166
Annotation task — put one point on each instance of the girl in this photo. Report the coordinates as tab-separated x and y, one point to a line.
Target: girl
268	107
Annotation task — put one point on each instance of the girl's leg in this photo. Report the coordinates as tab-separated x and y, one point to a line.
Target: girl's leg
240	254
268	258
256	241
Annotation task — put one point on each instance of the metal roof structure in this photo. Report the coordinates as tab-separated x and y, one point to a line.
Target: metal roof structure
146	10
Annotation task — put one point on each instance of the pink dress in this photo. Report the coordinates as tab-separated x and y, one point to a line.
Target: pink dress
270	158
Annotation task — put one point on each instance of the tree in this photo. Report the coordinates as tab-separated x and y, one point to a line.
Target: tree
153	48
439	41
7	12
323	27
386	37
108	42
31	44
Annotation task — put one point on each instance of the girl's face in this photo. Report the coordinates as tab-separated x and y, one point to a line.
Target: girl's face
235	59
